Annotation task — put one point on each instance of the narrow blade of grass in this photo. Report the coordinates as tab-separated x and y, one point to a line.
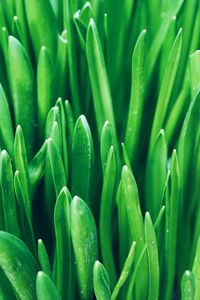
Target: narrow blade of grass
82	161
125	271
196	271
105	218
137	96
187	286
84	240
152	253
101	282
195	73
43	258
45	287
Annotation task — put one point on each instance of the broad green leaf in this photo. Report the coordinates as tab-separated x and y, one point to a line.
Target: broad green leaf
45	88
43	258
195	73
98	78
188	286
63	258
45	288
84	240
22	85
101	282
172	212
6	289
125	271
166	87
5	117
83	161
106	215
8	196
152	253
137	97
20	268
42	25
157	164
129	194
196	271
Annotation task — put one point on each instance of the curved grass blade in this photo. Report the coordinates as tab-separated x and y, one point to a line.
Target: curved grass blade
45	88
99	79
20	268
129	194
22	166
107	141
125	271
70	126
36	168
166	87
137	97
84	240
83	161
101	282
187	286
45	288
157	164
57	167
105	218
7	189
196	271
152	253
160	36
44	258
126	157
22	84
43	26
63	259
28	235
5	117
172	212
6	289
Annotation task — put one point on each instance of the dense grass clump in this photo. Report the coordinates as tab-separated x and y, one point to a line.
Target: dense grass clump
99	149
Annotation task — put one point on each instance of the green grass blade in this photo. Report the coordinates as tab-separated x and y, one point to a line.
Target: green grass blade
195	73
63	259
152	253
187	286
28	235
125	271
5	117
98	78
44	258
196	271
157	164
45	288
137	97
107	141
20	268
84	240
45	88
82	161
43	26
131	199
57	167
172	212
166	87
101	282
126	157
8	196
22	84
36	168
106	214
22	166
